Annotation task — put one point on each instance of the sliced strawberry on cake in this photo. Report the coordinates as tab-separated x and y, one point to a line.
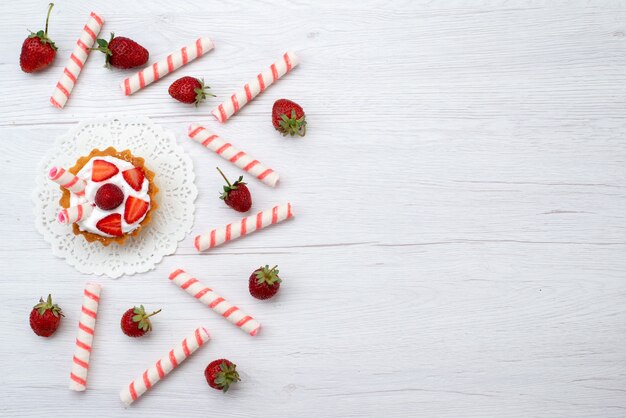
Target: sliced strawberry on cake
111	225
134	177
103	170
135	209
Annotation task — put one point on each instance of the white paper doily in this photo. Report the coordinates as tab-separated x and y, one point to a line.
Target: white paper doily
171	221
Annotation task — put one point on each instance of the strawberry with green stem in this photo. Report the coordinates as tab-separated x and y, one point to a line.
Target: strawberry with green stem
236	195
38	50
136	322
288	118
220	374
189	90
45	317
264	282
121	52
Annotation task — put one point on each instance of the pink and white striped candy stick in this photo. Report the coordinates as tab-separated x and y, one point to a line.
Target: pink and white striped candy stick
75	213
244	226
77	60
228	152
255	86
84	339
167	65
233	314
67	180
153	374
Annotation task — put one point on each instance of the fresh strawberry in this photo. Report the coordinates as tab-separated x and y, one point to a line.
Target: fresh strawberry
38	51
109	196
45	317
111	225
220	374
122	52
264	282
103	170
135	322
135	209
134	177
288	118
236	195
189	90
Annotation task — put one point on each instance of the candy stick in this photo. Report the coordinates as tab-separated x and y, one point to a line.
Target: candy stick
255	86
75	213
228	152
167	65
67	180
152	375
242	227
233	314
84	339
77	60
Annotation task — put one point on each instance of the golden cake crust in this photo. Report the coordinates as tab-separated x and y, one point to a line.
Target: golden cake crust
125	155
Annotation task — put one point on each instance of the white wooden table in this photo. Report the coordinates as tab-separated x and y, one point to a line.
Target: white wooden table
460	232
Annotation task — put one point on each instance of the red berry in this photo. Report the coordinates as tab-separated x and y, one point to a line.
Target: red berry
45	317
38	51
236	195
122	52
189	90
264	282
111	225
109	196
220	374
288	118
135	322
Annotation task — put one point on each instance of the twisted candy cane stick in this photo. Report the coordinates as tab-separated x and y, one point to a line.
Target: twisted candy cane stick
67	180
164	366
233	314
77	60
228	152
84	339
252	88
244	226
171	63
75	213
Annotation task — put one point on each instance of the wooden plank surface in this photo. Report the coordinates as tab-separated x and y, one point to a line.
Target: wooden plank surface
460	233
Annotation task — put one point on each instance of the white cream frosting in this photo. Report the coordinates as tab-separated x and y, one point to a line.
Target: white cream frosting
88	224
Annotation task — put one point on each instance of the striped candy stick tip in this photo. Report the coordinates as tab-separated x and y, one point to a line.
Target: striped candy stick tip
54	172
75	213
55	103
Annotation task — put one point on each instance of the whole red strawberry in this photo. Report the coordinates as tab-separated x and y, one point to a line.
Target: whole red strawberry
109	196
45	317
236	195
189	90
220	374
122	52
264	282
288	118
135	322
38	51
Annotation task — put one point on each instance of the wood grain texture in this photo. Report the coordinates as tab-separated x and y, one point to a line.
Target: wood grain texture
458	246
